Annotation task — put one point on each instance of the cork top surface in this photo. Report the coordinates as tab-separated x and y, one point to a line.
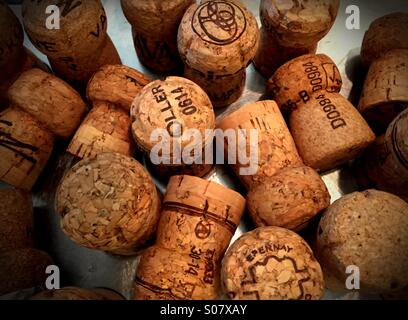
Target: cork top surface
107	203
218	36
271	263
117	84
396	137
173	105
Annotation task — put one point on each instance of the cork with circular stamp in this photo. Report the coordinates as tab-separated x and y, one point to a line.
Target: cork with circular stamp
108	203
79	45
217	40
154	27
107	126
74	293
291	29
385	92
271	263
366	232
170	118
198	221
328	130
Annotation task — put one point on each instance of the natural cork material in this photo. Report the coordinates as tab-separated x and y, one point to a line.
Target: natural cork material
154	25
385	92
108	203
367	230
291	29
198	221
22	269
385	34
173	105
73	293
271	263
217	39
16	220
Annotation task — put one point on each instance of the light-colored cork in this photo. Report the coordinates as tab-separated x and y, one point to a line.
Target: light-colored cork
289	199
198	221
271	263
51	101
217	39
16	220
385	34
276	148
24	148
385	92
367	230
108	203
73	293
22	269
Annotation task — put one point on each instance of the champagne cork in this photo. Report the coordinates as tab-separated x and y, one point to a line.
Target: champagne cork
216	41
25	148
327	129
367	230
80	46
385	34
291	29
108	203
16	220
22	269
282	191
175	106
385	92
198	221
385	164
271	263
154	26
73	293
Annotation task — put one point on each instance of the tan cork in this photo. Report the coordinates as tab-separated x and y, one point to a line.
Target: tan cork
73	293
108	203
198	221
271	263
367	230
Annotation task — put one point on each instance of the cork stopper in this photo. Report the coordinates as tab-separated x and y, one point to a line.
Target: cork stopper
289	199
385	34
298	24
271	263
24	148
385	92
73	293
51	101
276	148
185	262
368	230
16	220
108	203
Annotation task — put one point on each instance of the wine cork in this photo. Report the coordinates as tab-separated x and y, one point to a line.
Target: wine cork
154	26
367	230
385	92
217	39
385	164
16	220
25	148
176	106
108	203
23	268
289	199
73	293
291	29
198	221
271	263
385	34
79	46
51	101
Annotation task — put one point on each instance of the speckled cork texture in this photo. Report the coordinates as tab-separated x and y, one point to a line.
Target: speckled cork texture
198	221
218	39
16	220
73	293
155	25
271	263
368	230
108	203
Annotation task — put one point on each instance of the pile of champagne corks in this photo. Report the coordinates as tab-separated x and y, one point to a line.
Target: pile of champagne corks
108	114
